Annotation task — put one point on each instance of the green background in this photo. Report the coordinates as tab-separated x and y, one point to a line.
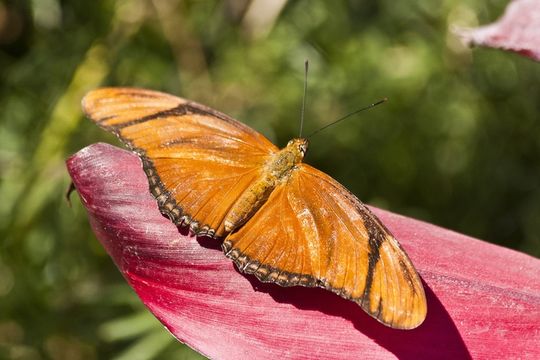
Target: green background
457	145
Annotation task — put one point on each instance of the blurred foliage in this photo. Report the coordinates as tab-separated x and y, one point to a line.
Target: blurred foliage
458	144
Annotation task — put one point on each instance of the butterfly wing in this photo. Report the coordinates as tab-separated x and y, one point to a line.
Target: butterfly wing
314	232
198	161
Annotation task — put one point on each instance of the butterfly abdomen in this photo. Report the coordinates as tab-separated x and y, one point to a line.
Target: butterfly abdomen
249	202
276	171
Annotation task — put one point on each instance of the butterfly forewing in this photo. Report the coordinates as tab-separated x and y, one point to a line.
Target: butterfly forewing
314	232
198	160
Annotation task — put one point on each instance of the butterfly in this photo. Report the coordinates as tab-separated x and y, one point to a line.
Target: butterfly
280	219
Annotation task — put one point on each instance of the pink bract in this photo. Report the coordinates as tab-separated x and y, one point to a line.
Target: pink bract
517	30
483	300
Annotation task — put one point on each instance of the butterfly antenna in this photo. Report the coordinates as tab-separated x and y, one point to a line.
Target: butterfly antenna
306	66
349	115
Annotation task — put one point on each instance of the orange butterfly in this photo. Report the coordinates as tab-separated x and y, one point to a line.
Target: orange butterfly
281	220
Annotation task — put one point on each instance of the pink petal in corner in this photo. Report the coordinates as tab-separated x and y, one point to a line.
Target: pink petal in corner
517	30
483	300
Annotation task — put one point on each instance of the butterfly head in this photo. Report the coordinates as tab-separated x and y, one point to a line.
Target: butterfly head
298	147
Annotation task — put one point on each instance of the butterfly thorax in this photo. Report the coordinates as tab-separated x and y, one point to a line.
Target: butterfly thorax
275	171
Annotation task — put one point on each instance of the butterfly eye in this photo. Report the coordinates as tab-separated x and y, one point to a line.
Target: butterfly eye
303	146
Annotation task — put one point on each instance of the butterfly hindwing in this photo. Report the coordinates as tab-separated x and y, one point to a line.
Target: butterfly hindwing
198	160
314	232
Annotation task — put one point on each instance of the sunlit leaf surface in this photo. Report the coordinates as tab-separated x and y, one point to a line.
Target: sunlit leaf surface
483	300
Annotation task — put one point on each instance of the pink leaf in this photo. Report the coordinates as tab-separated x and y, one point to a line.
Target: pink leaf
483	300
517	30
